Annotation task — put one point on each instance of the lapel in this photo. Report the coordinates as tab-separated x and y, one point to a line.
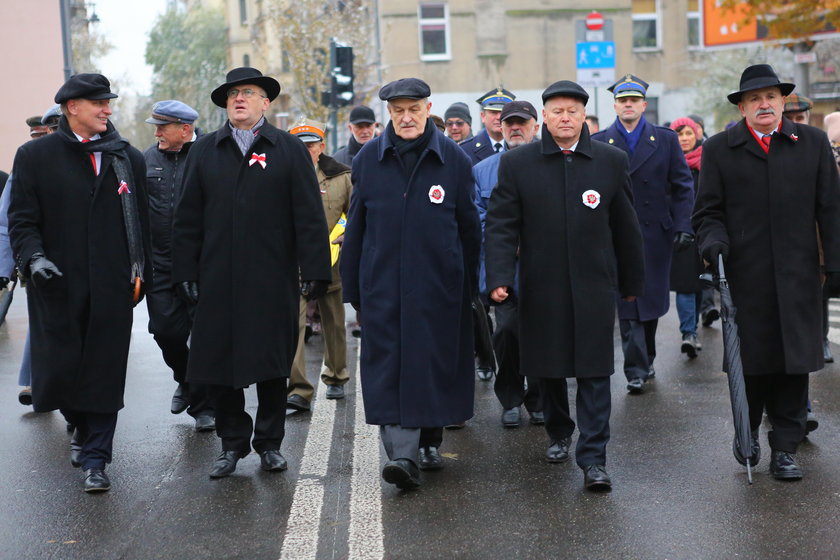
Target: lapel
740	135
647	146
105	163
614	138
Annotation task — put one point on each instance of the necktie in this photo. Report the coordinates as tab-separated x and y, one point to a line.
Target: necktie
92	157
498	147
567	151
766	140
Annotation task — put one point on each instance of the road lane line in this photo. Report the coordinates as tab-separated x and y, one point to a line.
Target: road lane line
365	534
304	524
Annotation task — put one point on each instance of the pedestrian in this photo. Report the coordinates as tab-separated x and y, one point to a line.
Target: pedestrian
362	128
519	127
593	123
490	139
410	263
663	195
563	210
458	122
767	184
78	225
169	316
249	235
335	188
686	264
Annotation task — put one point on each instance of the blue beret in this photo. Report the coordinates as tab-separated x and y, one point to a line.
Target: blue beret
85	86
405	88
172	111
629	86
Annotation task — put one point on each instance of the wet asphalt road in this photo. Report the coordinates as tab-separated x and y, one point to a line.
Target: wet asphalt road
678	493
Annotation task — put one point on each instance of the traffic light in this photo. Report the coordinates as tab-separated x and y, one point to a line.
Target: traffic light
341	73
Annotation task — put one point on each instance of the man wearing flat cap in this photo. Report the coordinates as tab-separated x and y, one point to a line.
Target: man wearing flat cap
490	140
362	128
410	264
249	237
335	188
458	122
169	316
767	185
663	194
78	224
568	228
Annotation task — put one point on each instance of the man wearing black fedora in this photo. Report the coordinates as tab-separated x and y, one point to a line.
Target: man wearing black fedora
767	185
249	226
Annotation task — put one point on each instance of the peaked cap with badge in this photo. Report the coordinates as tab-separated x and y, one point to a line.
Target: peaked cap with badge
629	86
308	130
495	99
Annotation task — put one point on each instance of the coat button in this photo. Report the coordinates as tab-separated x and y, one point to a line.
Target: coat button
647	223
646	202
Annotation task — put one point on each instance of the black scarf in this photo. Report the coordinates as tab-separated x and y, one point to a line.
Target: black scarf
353	147
408	151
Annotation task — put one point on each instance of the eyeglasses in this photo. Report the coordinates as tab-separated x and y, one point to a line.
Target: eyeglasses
247	93
455	123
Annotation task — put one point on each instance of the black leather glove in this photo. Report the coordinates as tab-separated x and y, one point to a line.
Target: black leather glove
42	270
355	305
313	289
683	240
832	283
188	291
711	253
3	282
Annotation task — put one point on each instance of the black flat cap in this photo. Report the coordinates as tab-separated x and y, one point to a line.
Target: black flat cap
362	114
85	86
405	88
245	75
521	109
565	88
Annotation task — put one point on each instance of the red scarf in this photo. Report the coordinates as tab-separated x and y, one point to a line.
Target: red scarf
693	157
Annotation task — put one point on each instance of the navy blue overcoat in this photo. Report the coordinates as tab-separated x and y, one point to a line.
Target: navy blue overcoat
663	195
410	260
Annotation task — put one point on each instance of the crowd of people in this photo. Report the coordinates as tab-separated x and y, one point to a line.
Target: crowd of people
501	256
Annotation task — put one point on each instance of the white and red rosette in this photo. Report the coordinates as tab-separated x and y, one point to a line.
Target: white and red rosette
436	194
591	198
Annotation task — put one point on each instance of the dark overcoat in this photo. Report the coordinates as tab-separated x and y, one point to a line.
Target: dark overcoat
573	257
243	231
478	147
412	265
686	263
663	194
765	207
79	323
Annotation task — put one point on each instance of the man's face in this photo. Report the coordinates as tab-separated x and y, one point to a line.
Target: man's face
801	117
315	150
457	128
492	122
88	117
246	104
362	132
172	137
409	117
592	124
563	117
762	108
630	109
38	131
518	131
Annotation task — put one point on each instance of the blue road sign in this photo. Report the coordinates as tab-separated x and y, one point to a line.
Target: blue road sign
595	54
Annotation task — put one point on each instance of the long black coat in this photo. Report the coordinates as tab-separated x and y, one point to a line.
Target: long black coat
663	194
80	323
242	232
413	265
687	264
573	258
765	207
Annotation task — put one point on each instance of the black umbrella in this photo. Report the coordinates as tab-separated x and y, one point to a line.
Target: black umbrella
483	338
6	300
735	371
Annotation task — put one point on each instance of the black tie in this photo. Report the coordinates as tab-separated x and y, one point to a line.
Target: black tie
498	146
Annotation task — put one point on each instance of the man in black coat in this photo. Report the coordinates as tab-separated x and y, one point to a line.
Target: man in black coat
570	220
249	226
766	185
169	317
79	230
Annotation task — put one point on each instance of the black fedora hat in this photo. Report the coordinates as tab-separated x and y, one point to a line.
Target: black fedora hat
758	76
245	75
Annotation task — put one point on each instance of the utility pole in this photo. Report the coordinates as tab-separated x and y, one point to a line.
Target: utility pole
66	43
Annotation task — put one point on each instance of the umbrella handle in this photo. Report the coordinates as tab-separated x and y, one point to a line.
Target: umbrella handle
137	284
721	272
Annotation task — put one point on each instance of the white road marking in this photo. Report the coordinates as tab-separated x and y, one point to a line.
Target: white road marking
365	533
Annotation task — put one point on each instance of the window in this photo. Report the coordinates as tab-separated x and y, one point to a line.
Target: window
243	12
693	25
434	31
645	25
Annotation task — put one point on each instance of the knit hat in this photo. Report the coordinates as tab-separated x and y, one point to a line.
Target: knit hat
685	121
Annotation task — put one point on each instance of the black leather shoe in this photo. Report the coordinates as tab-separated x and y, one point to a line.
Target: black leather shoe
25	396
430	459
179	399
828	357
756	450
403	473
511	417
75	448
458	426
225	464
596	479
651	373
558	451
484	374
783	466
335	391
636	386
273	461
709	317
537	417
205	423
296	402
96	481
811	423
689	345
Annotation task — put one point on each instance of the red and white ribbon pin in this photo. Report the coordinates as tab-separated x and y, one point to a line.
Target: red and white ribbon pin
257	158
123	188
